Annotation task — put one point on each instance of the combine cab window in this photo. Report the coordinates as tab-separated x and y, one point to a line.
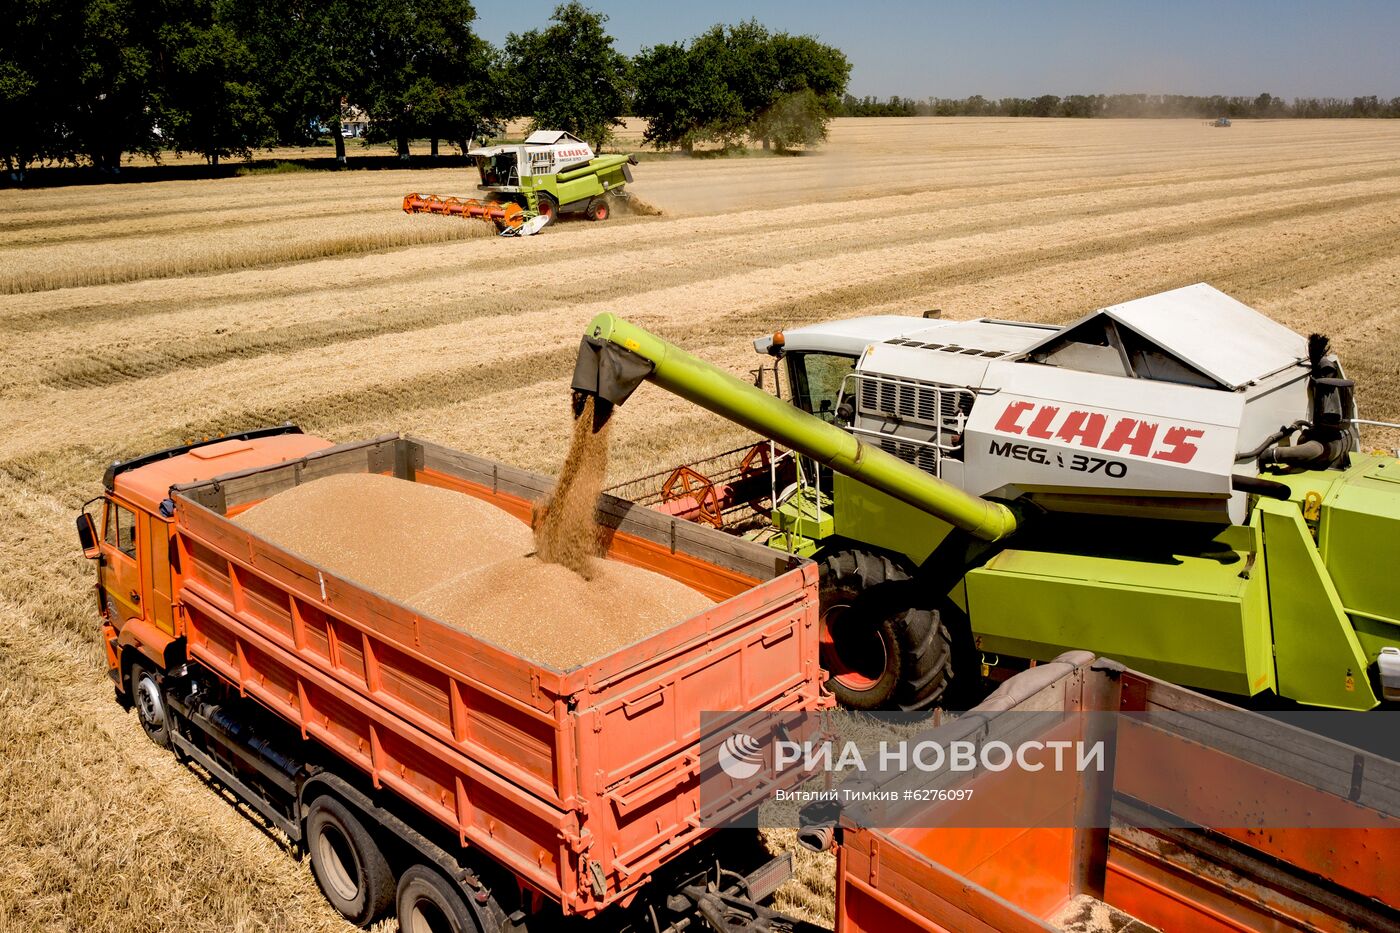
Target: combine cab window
121	529
498	169
817	380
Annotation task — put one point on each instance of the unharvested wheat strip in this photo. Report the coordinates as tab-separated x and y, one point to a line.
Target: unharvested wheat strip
237	258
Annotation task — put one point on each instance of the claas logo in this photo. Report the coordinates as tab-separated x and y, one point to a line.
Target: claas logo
1171	442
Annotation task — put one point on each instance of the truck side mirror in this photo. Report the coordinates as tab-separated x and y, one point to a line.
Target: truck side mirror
87	536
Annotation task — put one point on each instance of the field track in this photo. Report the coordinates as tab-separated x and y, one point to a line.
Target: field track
136	316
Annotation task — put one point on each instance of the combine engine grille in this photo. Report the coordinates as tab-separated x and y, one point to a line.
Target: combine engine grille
923	456
935	405
920	422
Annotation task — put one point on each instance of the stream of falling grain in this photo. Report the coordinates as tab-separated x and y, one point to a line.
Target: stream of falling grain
566	526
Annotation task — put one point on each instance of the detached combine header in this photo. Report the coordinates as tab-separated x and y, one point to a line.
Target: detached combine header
530	184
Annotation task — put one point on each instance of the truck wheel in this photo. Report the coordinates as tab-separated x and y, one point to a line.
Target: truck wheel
880	653
352	872
428	904
546	207
598	210
149	698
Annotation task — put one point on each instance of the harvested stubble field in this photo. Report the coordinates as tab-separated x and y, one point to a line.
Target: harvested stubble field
139	315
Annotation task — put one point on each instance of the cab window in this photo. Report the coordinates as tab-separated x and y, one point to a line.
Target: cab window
121	529
817	380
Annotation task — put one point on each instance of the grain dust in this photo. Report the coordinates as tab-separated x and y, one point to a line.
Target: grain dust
637	207
467	563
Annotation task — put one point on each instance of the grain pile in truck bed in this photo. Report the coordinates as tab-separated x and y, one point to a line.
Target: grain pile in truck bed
467	563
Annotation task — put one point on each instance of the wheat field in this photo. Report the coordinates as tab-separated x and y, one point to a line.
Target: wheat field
135	316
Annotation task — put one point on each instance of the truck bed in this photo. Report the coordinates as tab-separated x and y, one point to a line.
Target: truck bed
582	781
1170	855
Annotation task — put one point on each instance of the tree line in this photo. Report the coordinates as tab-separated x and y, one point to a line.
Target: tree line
1120	105
91	81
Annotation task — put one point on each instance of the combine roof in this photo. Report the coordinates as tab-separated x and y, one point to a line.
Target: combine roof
550	137
1202	327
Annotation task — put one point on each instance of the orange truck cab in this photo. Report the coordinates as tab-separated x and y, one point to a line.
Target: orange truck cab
128	531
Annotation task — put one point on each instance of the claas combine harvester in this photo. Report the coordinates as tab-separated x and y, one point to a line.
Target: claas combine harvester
1176	482
528	185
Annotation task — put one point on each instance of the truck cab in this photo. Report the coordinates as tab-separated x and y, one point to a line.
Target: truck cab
127	532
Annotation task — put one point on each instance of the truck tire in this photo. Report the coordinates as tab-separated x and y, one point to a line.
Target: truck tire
879	652
148	695
351	871
427	903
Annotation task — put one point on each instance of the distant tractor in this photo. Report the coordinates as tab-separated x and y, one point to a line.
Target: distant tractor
530	184
1221	121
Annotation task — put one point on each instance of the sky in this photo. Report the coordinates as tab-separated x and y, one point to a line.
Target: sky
1021	48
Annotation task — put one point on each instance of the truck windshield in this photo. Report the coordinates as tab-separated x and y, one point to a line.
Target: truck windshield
816	381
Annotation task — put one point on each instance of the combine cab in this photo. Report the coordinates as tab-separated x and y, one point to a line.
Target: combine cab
530	184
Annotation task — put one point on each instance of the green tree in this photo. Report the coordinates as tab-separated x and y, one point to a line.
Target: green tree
740	81
37	81
307	53
810	79
682	94
750	72
796	119
568	76
114	82
210	100
425	71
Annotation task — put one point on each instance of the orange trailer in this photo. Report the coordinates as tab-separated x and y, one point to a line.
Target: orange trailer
963	873
494	789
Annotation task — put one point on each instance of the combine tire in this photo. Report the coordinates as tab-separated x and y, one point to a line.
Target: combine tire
149	698
546	207
598	210
352	872
880	653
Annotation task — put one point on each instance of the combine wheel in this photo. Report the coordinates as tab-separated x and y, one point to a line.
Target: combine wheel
546	207
352	872
880	653
428	903
149	698
598	210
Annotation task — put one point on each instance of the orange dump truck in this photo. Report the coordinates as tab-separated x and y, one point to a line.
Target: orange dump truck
1165	854
423	768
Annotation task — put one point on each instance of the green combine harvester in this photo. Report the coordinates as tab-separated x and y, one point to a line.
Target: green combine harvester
1175	482
531	184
